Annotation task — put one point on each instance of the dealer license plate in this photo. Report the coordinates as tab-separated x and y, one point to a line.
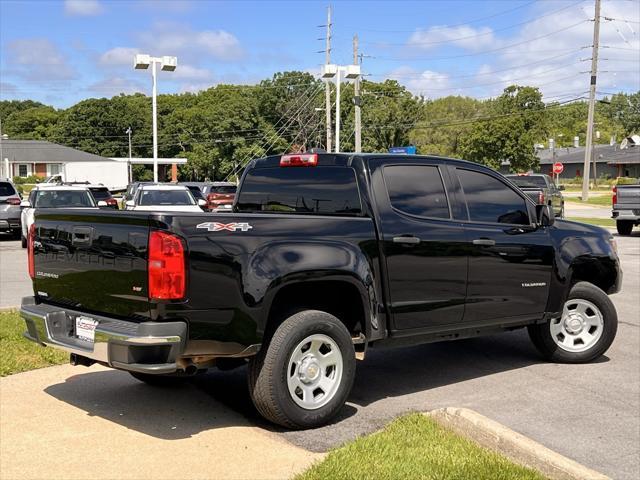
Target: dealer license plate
86	328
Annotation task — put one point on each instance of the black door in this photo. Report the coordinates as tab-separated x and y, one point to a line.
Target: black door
423	246
510	260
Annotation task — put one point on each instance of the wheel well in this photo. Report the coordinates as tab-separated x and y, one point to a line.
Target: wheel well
339	298
596	273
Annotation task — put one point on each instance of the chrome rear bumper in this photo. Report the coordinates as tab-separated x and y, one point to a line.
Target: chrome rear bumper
147	347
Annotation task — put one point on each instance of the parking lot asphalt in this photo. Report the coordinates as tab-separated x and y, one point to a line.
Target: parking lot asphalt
589	413
14	276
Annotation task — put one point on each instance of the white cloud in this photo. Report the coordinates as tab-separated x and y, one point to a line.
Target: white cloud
83	8
188	72
111	86
37	59
462	36
118	56
427	82
181	40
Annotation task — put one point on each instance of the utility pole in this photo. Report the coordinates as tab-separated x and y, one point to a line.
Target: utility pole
356	100
128	132
592	102
327	103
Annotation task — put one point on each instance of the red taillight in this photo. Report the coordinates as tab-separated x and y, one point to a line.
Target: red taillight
614	199
167	272
30	239
299	160
13	201
111	201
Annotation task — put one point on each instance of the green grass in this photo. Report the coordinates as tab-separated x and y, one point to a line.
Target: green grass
601	200
17	354
415	447
601	222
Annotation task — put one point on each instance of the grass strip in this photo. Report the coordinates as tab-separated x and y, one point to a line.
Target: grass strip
601	222
415	447
17	354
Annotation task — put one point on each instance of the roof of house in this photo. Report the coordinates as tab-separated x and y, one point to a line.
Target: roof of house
41	151
611	154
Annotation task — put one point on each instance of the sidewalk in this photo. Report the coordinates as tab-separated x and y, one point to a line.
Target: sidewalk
96	423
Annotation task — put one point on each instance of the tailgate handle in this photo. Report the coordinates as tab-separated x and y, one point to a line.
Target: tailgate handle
81	236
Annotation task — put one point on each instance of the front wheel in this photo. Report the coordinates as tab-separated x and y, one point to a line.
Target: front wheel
583	332
302	378
624	227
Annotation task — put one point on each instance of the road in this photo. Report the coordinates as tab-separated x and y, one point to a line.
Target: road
590	413
575	209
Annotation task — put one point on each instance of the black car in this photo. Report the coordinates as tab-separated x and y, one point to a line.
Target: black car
322	257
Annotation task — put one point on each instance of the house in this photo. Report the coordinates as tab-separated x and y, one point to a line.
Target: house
611	160
23	158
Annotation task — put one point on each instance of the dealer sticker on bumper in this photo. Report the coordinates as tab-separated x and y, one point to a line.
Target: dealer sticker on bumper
86	328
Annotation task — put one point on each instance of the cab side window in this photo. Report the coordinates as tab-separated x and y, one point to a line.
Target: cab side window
491	201
417	190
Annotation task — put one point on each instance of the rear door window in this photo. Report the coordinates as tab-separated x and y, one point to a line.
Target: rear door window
417	190
491	201
320	190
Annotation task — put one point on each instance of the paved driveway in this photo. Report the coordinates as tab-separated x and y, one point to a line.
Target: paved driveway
14	275
590	413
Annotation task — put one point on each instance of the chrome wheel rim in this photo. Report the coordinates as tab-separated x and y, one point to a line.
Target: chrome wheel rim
579	328
314	371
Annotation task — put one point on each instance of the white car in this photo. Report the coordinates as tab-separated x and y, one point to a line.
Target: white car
169	198
54	196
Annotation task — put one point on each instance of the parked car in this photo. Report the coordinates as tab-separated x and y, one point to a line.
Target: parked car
101	193
220	196
197	194
165	197
45	197
542	190
626	207
9	208
323	257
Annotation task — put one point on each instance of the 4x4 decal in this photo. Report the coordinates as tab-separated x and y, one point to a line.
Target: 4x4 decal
231	227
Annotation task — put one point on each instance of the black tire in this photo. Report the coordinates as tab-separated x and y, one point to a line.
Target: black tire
268	371
159	380
561	214
541	336
23	241
624	227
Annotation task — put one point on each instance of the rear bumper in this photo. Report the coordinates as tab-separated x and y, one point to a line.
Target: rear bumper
147	347
632	214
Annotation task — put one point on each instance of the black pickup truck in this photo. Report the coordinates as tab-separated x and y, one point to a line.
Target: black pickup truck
322	257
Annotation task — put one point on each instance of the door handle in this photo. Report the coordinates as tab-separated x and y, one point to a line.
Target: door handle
81	236
484	242
407	240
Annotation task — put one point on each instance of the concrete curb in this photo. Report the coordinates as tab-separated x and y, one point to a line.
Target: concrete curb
512	445
9	309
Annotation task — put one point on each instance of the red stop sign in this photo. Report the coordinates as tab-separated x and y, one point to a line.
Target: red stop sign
558	168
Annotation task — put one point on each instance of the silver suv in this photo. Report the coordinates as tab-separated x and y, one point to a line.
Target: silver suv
9	208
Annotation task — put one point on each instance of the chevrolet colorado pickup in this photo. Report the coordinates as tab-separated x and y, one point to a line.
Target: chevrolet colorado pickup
322	257
626	207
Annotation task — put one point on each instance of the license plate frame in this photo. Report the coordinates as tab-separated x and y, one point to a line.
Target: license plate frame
85	328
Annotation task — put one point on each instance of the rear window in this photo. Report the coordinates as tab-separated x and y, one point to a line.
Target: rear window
528	180
320	190
101	193
227	189
6	189
165	197
417	190
63	199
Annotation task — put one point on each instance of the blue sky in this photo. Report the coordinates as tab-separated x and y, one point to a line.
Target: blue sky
60	52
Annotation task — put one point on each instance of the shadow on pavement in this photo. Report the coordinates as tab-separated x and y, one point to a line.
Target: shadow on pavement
221	399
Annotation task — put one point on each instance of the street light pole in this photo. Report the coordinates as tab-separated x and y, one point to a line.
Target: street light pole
128	132
351	72
338	111
168	64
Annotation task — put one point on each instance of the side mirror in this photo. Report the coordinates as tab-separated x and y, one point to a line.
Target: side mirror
202	202
129	203
560	187
544	215
25	204
102	204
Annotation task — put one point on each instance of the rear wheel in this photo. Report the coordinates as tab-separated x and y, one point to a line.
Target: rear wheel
584	331
624	227
302	378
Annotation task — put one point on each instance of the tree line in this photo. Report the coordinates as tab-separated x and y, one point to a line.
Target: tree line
220	129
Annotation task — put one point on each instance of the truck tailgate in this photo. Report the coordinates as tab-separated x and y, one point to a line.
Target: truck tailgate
628	196
93	261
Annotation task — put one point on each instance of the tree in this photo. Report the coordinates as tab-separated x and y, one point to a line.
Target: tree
35	123
508	131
